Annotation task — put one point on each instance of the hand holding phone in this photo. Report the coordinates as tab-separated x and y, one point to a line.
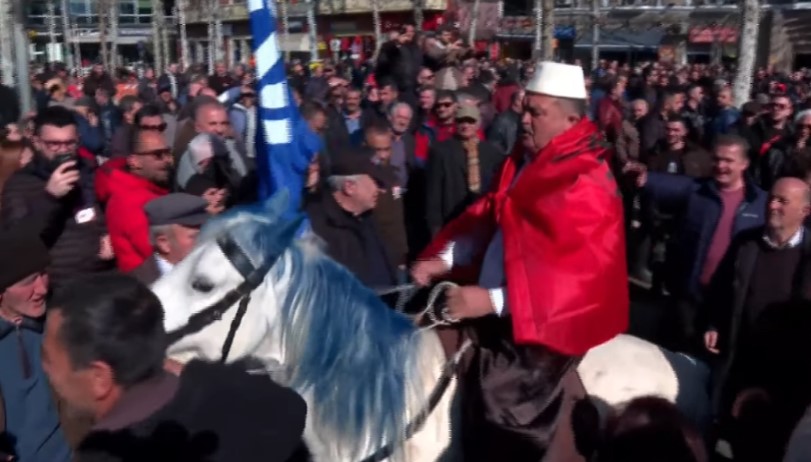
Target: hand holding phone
63	179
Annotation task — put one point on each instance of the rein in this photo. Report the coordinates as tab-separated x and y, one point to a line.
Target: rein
406	293
240	295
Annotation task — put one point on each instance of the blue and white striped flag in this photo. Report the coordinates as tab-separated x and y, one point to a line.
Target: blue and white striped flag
284	143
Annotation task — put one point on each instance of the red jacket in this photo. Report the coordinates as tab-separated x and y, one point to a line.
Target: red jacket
564	243
126	219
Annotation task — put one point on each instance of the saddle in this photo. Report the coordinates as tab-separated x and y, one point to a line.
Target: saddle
519	400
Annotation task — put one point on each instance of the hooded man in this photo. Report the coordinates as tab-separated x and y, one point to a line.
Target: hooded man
547	250
29	422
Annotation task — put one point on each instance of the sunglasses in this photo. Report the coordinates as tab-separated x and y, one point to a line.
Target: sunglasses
158	154
444	104
779	106
249	95
158	128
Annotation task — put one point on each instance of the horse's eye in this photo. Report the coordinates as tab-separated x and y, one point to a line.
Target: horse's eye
202	285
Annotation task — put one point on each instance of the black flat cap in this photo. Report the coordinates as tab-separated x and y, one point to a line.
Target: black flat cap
177	209
22	253
359	162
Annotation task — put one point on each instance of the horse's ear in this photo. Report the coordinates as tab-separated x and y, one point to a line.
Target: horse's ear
276	205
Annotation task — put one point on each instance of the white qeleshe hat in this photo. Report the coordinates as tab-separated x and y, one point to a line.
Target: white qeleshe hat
556	79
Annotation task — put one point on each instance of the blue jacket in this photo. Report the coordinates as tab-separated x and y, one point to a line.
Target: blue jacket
32	422
724	122
697	203
90	138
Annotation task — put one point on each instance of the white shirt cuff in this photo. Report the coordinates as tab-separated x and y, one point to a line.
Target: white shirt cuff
447	254
499	299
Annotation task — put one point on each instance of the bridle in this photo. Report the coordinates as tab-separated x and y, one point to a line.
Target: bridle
241	294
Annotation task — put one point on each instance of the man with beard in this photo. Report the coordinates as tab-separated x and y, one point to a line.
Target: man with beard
103	350
551	283
146	176
29	423
56	191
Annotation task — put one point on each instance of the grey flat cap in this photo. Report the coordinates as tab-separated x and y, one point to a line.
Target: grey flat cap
177	209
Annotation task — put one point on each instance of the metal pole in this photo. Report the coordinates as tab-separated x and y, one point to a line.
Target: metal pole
21	58
311	29
536	51
50	9
286	29
157	49
67	37
474	22
6	44
595	34
113	16
180	12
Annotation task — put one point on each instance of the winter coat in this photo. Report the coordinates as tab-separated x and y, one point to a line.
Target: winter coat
71	227
126	218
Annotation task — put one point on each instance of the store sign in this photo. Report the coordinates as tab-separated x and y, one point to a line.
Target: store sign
713	34
133	32
524	26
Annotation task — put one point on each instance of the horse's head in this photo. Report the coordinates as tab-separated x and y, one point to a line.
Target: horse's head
232	259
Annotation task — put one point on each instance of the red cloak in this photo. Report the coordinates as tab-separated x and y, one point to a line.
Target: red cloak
564	242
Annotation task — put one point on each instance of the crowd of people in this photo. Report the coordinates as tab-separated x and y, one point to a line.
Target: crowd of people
118	174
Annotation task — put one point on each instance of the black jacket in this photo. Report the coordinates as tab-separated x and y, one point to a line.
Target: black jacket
354	242
447	192
74	247
503	131
218	414
726	300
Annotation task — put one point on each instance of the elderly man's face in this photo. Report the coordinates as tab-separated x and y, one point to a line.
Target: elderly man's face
352	101
26	297
178	243
212	119
788	205
400	119
545	118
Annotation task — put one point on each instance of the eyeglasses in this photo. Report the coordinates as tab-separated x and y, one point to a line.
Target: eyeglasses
158	128
158	154
57	144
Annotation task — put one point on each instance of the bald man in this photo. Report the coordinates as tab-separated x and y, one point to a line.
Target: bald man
763	268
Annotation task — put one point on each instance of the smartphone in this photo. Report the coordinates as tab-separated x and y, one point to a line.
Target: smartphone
63	158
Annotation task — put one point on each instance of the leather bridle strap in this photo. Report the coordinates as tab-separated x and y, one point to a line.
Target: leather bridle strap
240	294
416	424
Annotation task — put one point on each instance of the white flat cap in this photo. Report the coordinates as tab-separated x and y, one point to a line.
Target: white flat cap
557	79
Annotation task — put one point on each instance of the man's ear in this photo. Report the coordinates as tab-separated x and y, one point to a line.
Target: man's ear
162	243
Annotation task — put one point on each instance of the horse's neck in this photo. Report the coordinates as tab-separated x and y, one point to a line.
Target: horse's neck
430	353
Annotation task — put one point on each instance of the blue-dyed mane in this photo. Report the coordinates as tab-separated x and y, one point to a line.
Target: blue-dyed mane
354	357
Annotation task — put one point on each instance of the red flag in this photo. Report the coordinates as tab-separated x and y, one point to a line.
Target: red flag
564	243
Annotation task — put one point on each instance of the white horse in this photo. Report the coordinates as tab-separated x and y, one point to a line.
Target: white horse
365	371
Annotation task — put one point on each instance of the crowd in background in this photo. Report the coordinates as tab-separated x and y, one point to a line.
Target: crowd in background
716	198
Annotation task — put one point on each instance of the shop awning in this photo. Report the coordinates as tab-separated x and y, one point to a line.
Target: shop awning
648	39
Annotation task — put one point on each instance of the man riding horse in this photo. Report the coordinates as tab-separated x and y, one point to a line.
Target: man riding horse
546	247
